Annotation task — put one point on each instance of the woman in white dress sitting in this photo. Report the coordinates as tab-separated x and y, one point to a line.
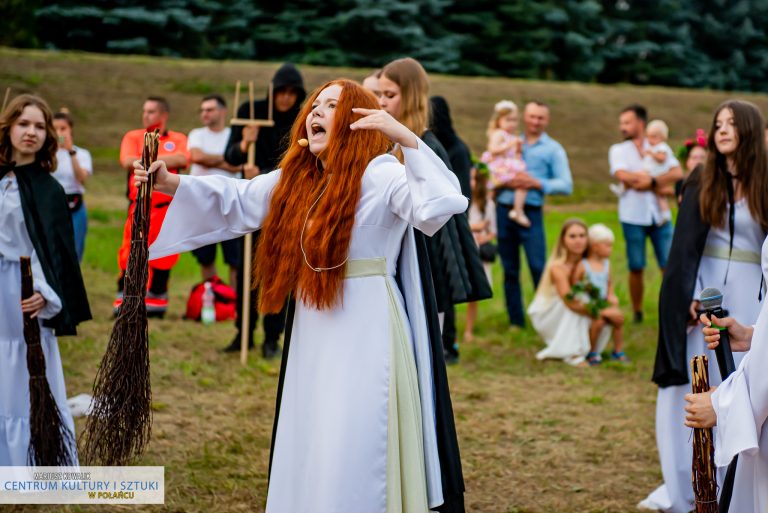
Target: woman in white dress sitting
564	323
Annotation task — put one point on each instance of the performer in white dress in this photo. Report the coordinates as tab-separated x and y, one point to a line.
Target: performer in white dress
356	428
700	235
35	223
564	323
739	409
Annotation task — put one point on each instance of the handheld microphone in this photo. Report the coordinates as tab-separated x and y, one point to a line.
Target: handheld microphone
712	304
303	143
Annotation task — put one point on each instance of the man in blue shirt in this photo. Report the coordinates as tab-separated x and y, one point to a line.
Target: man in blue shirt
548	173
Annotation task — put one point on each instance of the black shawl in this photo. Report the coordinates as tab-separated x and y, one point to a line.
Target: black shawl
677	286
453	254
49	226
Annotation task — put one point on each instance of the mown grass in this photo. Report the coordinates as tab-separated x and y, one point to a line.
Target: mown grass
535	436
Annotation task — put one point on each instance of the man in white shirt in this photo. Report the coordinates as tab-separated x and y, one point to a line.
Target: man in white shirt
639	211
206	147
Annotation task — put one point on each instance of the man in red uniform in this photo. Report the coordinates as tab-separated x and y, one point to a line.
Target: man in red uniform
173	150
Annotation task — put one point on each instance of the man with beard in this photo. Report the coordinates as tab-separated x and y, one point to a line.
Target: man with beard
288	94
639	211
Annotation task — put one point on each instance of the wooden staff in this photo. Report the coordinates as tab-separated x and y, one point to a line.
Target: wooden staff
704	471
245	319
5	100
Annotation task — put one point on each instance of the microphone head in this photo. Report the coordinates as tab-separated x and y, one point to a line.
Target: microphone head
711	299
303	143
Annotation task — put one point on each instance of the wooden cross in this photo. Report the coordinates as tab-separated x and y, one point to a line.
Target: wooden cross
245	321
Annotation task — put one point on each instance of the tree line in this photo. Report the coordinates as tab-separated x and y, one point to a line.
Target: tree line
717	44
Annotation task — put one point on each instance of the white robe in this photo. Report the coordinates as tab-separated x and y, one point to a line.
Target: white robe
741	404
740	293
14	376
335	446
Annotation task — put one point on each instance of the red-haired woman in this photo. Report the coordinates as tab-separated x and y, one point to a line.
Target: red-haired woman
358	429
35	223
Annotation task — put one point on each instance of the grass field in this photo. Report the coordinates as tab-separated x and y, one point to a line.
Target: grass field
535	437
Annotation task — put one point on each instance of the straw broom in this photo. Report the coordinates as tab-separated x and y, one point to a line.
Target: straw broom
120	424
704	472
51	442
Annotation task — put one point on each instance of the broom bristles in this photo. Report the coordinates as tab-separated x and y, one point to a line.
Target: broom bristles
51	442
704	472
120	424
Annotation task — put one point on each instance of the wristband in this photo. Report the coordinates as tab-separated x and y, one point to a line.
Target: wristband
72	153
653	183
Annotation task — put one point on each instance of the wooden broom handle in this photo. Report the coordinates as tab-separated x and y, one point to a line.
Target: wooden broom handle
27	284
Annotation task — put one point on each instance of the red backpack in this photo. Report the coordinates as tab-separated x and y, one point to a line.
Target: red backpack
224	300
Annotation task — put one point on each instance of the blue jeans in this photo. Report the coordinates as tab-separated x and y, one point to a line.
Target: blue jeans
80	225
511	235
661	239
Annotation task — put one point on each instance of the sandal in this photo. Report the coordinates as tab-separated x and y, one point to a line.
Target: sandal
594	359
621	356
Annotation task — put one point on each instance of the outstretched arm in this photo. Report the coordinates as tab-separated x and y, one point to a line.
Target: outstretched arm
207	209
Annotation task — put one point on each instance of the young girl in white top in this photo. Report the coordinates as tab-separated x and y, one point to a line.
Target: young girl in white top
504	155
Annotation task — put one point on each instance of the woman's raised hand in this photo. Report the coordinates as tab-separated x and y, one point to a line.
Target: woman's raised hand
165	181
376	119
739	335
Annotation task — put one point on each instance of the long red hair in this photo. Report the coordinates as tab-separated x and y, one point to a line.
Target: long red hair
280	268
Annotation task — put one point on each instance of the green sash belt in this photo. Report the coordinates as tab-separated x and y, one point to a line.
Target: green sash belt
367	267
738	255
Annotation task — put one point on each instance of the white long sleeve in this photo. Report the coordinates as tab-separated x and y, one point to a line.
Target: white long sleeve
741	401
210	209
427	194
52	300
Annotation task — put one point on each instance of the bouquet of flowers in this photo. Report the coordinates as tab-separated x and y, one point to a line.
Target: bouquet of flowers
587	293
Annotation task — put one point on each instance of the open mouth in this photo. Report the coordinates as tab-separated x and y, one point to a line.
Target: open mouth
317	131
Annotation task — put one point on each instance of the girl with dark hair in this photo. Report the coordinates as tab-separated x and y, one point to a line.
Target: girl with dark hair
453	256
482	221
74	166
693	153
721	226
36	224
359	424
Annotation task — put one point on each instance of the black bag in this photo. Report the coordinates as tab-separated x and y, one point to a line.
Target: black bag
488	252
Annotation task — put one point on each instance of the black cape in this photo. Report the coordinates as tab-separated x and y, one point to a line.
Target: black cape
50	229
453	253
677	286
271	142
